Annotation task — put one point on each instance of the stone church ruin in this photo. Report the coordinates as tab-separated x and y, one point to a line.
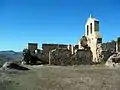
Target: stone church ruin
89	49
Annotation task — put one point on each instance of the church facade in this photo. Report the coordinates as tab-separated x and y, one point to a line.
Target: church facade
93	36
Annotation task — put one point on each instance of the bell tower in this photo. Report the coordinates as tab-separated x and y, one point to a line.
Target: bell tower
94	37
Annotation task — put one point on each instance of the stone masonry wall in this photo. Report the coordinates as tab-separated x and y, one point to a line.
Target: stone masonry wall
48	47
60	56
111	46
63	57
82	56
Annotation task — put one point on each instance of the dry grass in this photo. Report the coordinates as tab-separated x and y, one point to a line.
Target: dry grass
61	78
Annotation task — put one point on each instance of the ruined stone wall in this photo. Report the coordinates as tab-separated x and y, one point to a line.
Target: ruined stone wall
106	54
108	49
60	56
32	46
111	46
64	57
48	47
74	48
82	57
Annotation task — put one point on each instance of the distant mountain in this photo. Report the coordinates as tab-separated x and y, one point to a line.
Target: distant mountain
10	55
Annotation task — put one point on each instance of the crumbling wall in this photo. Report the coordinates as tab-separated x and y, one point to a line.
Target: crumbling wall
32	46
108	49
106	54
60	56
82	57
113	60
63	57
111	46
48	47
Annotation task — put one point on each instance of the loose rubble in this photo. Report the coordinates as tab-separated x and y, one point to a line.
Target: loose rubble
114	60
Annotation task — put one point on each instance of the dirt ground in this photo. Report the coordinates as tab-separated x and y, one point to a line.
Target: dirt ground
61	78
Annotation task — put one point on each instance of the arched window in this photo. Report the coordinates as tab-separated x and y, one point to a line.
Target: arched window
87	30
91	28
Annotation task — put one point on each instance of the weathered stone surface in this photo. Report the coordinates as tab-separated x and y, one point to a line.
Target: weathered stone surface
64	57
106	54
60	56
32	46
114	60
82	57
111	46
48	47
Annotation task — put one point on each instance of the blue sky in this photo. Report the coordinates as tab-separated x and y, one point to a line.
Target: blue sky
54	21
